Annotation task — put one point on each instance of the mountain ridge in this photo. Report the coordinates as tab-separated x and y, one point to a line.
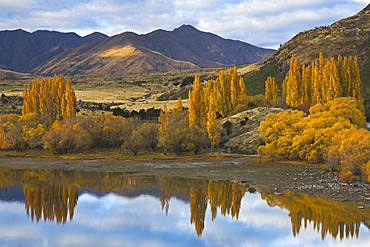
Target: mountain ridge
348	37
22	51
181	48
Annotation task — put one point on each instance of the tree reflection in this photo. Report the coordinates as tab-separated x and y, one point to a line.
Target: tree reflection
52	195
50	202
328	216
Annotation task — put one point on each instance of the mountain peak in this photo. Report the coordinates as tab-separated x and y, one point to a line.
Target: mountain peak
96	36
186	27
367	8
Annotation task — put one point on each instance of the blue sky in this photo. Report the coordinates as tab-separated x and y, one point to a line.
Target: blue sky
266	23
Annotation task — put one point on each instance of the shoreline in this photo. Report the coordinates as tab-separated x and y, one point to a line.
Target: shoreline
267	177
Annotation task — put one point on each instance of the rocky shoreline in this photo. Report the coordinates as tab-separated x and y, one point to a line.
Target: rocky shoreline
329	185
314	180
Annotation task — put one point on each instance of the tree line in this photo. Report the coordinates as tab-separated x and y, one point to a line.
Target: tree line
332	86
49	120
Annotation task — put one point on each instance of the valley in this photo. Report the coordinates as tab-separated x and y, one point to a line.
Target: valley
133	91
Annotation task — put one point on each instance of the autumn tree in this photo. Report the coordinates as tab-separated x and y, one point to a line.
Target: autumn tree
61	138
176	133
197	103
216	97
19	132
134	143
271	90
150	134
50	98
213	127
84	133
322	81
174	125
197	138
292	90
278	131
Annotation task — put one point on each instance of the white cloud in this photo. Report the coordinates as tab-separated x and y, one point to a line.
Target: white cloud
260	22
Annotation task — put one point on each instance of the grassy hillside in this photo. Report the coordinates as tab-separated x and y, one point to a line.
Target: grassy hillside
255	80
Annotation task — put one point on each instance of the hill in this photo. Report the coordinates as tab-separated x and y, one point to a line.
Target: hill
22	51
161	50
347	37
7	73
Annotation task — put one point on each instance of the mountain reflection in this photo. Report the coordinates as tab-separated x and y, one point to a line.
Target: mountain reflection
52	195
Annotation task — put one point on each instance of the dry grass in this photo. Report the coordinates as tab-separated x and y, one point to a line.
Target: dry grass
134	92
119	52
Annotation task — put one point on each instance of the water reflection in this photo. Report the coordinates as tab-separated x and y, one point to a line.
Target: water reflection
328	217
52	196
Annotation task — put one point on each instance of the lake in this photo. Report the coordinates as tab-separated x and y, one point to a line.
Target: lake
79	208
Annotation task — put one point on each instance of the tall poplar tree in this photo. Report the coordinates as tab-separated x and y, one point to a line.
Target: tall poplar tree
324	80
197	106
50	98
271	90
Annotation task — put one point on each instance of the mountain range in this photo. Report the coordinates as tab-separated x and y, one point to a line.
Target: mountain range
51	52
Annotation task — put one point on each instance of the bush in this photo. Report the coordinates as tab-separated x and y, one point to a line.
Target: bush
346	176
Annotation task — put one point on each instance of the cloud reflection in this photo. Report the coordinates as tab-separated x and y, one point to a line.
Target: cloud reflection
113	220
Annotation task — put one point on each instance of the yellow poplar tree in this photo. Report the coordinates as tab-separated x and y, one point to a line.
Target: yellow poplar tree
213	128
324	80
71	101
197	106
50	98
292	84
271	90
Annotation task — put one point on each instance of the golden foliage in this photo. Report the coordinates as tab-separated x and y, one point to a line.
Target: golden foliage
219	96
50	98
333	132
322	81
271	89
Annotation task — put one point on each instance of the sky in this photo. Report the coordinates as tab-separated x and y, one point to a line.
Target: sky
265	23
114	220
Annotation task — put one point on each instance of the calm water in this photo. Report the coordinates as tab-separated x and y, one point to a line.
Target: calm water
76	208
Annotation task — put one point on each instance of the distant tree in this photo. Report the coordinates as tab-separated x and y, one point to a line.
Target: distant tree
134	143
150	134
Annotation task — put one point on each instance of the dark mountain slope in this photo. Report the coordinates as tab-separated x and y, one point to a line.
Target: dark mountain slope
22	51
189	44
